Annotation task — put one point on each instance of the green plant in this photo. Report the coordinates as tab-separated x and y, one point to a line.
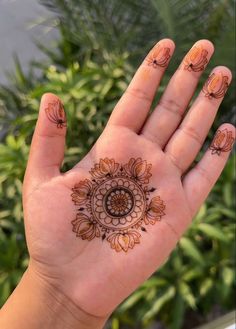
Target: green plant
98	49
13	256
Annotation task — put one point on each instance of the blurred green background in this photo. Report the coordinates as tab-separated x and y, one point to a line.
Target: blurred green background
99	47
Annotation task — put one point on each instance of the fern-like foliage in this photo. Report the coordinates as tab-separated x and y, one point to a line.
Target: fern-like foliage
98	26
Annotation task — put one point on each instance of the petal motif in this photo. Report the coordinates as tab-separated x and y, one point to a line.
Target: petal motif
81	192
84	228
124	241
158	56
196	59
105	167
222	141
139	170
216	85
155	210
56	113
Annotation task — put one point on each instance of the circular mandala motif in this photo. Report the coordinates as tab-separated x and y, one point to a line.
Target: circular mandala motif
115	204
118	203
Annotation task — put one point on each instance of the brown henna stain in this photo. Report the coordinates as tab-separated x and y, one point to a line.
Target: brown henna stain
115	204
56	114
159	56
196	59
222	142
216	85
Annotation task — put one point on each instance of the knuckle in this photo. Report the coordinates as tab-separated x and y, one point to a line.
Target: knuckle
175	162
139	93
204	174
172	106
192	133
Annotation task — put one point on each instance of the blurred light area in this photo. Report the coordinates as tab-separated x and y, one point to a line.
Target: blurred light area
227	321
22	22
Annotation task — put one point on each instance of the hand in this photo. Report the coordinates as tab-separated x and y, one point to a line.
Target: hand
96	232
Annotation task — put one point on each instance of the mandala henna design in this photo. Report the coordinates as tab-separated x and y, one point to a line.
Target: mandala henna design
56	114
158	56
216	86
115	204
196	59
222	142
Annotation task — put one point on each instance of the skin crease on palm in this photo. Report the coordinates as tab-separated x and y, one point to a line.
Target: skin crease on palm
91	274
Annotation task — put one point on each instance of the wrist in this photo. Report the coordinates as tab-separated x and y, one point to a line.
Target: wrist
39	304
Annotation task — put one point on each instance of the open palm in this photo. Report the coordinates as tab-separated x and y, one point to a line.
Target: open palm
99	230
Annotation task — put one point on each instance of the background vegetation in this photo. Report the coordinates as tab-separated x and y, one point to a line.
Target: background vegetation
100	44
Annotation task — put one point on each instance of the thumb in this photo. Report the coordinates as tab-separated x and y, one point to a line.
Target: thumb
48	142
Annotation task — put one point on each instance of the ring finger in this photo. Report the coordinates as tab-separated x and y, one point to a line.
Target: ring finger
187	140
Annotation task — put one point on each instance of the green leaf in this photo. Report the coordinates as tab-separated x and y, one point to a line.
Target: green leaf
106	87
5	290
177	313
201	214
228	213
228	275
117	73
166	295
228	194
4	214
155	282
206	285
11	142
133	299
187	295
213	217
3	277
192	274
115	323
190	249
212	232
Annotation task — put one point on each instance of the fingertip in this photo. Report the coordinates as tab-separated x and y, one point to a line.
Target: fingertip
229	127
161	53
166	42
223	140
206	44
198	56
52	117
217	84
49	97
224	70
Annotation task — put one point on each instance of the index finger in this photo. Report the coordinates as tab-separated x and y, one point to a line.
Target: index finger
133	107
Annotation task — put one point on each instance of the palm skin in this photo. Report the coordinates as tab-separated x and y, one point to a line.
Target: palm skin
91	274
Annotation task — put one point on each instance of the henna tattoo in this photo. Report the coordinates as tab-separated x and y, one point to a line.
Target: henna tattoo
216	85
196	59
158	56
222	142
115	204
56	114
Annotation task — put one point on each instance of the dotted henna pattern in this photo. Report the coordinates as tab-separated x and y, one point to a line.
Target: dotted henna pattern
116	204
